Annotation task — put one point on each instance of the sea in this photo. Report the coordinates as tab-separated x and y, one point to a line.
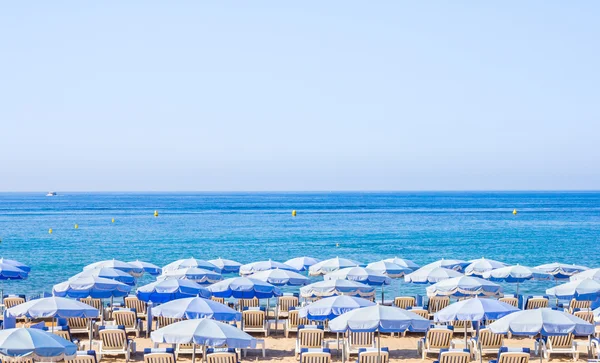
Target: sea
365	226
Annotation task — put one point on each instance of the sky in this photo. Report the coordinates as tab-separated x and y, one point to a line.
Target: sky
308	95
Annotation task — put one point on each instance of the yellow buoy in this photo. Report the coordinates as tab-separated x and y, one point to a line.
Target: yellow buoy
294	213
337	245
76	226
112	220
50	231
156	213
514	211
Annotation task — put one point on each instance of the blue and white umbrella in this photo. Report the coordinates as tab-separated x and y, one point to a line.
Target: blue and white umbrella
54	306
389	269
561	271
11	272
482	265
516	274
250	268
226	266
206	332
333	264
117	265
35	343
544	321
596	313
196	308
457	265
359	274
147	267
579	290
107	273
337	287
19	265
403	262
464	286
244	288
167	290
331	307
198	275
592	274
279	277
381	318
431	275
190	262
302	263
91	286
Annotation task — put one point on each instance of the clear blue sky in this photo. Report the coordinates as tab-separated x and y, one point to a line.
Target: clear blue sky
308	95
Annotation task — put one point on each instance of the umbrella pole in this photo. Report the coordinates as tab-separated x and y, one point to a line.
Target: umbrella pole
337	337
378	346
540	347
382	295
517	290
53	323
466	341
479	342
194	353
91	332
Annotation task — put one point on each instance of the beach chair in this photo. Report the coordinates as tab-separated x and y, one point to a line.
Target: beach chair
11	301
132	302
293	321
454	356
284	303
419	310
96	303
357	340
113	341
159	355
187	349
129	319
559	344
512	355
315	355
405	302
248	303
254	320
218	299
63	332
309	336
162	321
372	355
85	356
511	300
437	303
221	355
487	343
585	313
461	325
536	302
79	325
436	339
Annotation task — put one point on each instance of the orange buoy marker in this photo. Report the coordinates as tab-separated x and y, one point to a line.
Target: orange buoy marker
514	212
50	231
294	213
156	213
76	226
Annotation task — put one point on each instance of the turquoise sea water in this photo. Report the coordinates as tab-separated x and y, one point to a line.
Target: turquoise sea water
550	226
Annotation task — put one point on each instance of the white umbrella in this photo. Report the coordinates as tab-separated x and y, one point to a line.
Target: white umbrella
148	267
403	262
258	266
196	308
36	343
561	271
198	275
431	275
389	269
190	262
482	265
593	274
337	287
464	286
333	264
302	263
578	289
117	265
226	266
457	265
516	273
279	277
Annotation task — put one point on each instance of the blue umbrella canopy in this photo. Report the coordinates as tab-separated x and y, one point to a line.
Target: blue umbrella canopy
482	265
198	275
196	308
302	263
464	286
331	307
474	310
11	272
54	306
19	265
561	271
191	262
167	290
226	266
389	269
107	273
258	266
244	288
403	263
35	343
279	277
431	275
203	332
337	287
385	319
359	274
545	321
457	265
333	264
147	267
91	286
577	289
117	265
592	274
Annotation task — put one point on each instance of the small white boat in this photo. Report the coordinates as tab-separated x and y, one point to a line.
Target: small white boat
51	194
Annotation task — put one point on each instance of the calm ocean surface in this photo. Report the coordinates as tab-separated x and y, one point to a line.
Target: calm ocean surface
423	227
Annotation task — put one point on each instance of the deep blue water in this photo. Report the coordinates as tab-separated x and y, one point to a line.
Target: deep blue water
550	226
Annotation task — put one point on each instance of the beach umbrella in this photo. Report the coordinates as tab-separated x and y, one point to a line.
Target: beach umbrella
205	332
578	289
191	262
457	265
464	286
516	274
333	264
359	274
226	266
54	306
167	290
331	307
117	265
17	264
302	263
279	277
198	275
147	267
561	271
107	273
91	286
196	308
244	288
431	275
482	265
593	274
35	343
250	268
337	287
543	321
403	262
389	269
11	272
